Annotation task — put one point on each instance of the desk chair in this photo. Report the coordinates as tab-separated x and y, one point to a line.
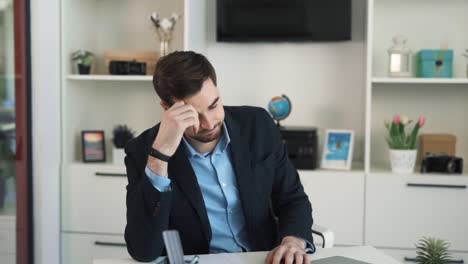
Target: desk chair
327	236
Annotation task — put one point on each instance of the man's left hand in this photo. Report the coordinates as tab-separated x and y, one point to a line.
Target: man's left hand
291	251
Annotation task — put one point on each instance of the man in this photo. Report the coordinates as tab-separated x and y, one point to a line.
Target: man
219	175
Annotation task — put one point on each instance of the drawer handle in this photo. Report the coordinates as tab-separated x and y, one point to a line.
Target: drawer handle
107	174
449	261
429	185
111	244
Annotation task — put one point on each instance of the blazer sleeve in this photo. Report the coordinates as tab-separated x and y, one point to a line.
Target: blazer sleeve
290	203
147	213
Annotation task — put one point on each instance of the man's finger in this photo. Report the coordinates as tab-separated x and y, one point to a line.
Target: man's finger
177	110
299	257
186	115
278	255
269	257
307	259
289	256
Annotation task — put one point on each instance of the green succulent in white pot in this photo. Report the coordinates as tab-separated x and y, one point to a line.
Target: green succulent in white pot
432	251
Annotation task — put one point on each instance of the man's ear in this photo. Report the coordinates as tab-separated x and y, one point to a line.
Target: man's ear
164	105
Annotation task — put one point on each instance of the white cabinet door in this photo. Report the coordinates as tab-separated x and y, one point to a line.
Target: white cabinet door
409	256
84	248
7	258
337	200
93	198
401	209
7	235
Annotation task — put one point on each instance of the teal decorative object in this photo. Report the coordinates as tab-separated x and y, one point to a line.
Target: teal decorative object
279	108
435	63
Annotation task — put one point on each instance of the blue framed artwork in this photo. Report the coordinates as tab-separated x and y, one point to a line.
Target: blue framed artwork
338	149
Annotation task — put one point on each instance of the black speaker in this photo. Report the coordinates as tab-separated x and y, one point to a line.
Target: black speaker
127	68
301	143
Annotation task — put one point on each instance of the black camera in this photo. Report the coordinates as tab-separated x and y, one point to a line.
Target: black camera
127	68
442	164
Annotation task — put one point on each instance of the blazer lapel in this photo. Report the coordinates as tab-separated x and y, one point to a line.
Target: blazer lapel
240	154
181	172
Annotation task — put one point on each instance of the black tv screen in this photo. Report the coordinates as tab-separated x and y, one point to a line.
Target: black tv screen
283	20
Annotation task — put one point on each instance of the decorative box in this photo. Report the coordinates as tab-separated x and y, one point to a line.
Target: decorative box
437	144
435	63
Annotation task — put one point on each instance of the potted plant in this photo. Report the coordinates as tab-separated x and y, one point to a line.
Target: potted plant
121	135
84	60
432	251
401	140
466	56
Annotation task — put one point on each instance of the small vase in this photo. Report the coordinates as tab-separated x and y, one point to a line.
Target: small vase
164	47
118	156
403	160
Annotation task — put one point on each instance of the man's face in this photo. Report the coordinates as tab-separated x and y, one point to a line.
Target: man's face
209	107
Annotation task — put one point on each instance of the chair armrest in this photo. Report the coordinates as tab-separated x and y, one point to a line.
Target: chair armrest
326	234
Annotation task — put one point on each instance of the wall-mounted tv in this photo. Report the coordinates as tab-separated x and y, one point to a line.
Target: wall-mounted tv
283	20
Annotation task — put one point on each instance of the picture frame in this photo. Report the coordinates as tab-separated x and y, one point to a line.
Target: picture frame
338	149
93	147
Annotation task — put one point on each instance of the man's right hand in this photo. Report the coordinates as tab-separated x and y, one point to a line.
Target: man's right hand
174	122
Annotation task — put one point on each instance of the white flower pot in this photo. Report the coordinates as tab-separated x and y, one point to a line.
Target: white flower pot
118	156
403	160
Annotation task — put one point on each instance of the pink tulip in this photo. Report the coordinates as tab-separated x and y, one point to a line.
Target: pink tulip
396	119
421	121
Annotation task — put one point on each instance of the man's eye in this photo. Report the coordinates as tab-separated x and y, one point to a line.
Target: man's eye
213	106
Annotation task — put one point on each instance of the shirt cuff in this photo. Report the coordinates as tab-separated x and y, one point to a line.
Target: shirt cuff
162	184
309	247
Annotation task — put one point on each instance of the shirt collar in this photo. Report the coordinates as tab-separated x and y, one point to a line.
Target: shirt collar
220	147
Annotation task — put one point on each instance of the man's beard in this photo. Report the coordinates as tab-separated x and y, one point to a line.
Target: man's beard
206	138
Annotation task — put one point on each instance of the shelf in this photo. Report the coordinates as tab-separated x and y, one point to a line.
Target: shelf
382	170
97	77
356	168
105	166
384	80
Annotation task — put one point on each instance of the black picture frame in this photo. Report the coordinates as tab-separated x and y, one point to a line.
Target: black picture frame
93	146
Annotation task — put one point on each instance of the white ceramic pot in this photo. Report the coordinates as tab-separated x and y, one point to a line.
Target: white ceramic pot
118	156
403	160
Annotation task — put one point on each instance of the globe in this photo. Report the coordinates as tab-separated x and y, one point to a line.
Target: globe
279	107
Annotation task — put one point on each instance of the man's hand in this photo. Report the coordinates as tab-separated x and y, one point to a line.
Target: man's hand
291	251
175	121
173	124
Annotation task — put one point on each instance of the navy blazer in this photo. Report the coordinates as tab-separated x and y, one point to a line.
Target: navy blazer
272	196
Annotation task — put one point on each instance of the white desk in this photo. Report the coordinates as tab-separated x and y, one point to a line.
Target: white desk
364	253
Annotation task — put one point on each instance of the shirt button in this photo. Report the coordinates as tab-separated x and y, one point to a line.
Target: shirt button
223	184
230	211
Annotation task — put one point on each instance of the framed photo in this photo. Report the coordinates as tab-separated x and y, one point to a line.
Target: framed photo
338	149
93	146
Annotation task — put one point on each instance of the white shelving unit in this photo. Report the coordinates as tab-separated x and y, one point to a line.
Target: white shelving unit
93	194
440	100
402	208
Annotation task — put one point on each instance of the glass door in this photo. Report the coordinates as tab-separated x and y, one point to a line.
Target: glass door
15	174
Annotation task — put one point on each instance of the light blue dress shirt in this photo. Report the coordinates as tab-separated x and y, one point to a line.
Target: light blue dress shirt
218	185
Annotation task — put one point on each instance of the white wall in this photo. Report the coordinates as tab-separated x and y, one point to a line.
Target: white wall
45	50
325	81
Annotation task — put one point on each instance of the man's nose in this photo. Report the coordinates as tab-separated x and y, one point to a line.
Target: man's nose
206	123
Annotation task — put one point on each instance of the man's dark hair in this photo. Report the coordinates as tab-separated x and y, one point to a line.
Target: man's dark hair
181	74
